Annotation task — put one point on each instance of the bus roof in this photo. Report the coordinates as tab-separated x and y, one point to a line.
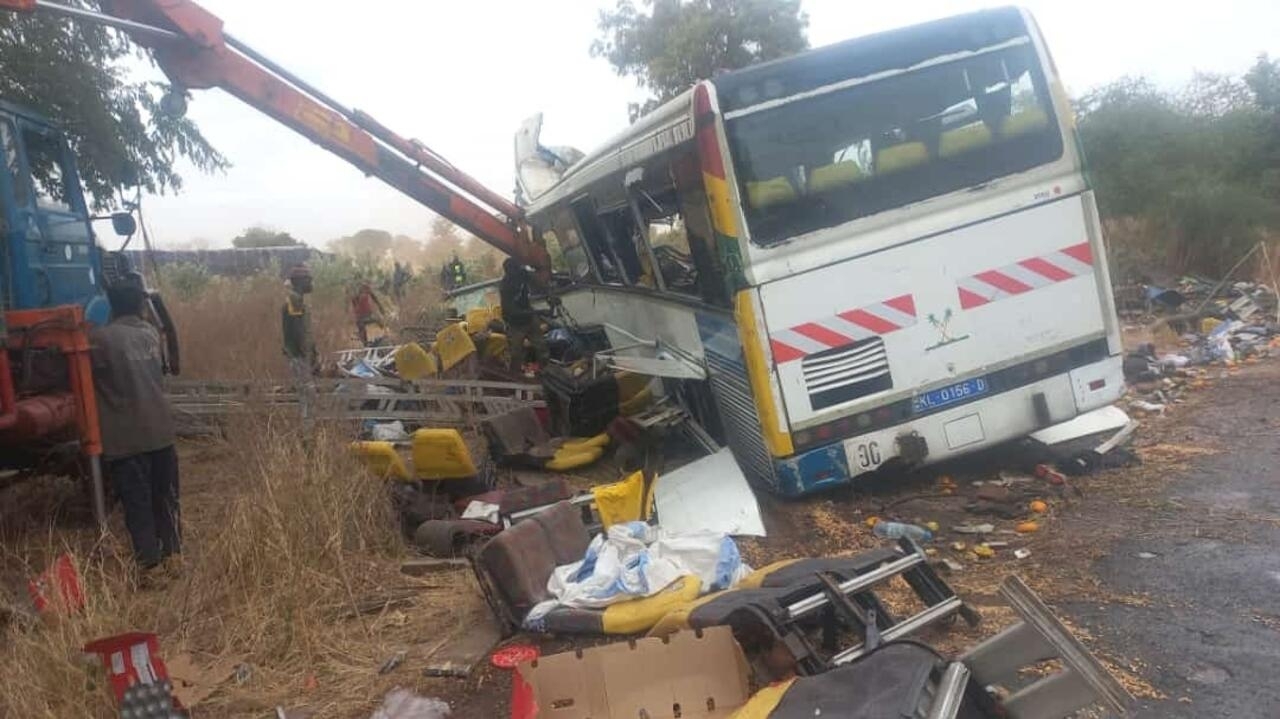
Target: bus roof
858	57
868	55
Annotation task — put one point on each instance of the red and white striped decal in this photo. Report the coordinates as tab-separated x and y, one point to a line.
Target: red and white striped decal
843	328
1025	275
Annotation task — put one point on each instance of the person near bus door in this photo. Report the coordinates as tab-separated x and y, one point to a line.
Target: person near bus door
137	425
518	314
368	310
299	346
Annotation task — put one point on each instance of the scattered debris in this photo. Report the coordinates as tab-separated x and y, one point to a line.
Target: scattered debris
704	674
404	704
983	551
423	567
57	590
393	662
710	494
1146	555
898	530
464	650
513	655
1027	527
1022	553
984	528
1038	506
193	683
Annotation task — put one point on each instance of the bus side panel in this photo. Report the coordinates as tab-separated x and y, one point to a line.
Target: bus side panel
933	311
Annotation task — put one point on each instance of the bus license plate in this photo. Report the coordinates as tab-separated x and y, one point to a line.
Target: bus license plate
952	394
866	453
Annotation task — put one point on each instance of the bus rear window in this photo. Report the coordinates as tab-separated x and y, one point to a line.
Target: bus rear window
819	161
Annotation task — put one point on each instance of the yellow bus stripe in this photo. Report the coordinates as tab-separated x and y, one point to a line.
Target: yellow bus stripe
776	438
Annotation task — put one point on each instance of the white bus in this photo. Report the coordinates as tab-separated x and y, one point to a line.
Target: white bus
883	252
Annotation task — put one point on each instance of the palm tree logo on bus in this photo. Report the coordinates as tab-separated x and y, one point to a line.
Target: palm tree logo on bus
944	332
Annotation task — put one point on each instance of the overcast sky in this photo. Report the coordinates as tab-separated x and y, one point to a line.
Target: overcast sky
462	75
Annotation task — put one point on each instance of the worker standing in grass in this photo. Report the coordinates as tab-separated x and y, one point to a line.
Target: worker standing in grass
518	314
299	347
137	425
368	310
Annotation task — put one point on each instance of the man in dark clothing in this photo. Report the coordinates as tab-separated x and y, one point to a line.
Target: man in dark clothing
518	314
137	427
299	347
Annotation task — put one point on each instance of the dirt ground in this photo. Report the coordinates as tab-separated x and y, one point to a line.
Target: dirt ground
1203	488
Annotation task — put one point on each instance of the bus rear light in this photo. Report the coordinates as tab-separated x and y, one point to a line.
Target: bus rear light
1097	384
826	431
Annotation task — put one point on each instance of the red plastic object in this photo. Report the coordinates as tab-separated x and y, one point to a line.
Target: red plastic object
58	588
512	655
524	705
129	659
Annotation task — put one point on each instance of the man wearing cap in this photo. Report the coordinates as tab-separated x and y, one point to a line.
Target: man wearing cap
299	347
137	426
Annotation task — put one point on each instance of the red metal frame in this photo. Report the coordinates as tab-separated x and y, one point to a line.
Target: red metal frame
65	329
204	58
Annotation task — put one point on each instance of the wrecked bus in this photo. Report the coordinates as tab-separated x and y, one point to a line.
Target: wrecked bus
884	252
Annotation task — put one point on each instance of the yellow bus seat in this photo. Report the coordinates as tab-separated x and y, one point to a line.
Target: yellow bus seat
963	139
768	193
414	362
441	454
382	460
453	345
835	176
896	158
567	458
1023	122
637	615
627	500
600	440
495	346
478	318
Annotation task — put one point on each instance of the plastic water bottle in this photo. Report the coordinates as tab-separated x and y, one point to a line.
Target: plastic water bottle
898	530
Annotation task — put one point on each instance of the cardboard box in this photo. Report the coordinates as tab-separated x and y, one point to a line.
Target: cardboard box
687	674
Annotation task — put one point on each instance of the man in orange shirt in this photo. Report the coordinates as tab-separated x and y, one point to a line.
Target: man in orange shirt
368	310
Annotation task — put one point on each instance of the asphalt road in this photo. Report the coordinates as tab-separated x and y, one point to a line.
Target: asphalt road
1209	557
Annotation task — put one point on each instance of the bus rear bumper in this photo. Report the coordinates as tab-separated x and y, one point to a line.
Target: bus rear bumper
953	432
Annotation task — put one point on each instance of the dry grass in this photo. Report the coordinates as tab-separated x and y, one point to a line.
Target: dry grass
231	328
282	541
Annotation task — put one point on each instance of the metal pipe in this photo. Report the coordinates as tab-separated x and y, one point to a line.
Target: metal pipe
946	703
296	81
129	26
857	584
902	629
99	492
379	131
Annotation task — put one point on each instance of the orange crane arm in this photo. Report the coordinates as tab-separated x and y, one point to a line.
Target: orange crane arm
191	47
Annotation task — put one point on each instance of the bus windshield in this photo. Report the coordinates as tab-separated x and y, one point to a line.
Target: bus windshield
827	157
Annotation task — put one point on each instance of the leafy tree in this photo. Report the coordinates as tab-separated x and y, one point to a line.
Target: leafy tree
260	236
678	42
77	74
1198	164
368	246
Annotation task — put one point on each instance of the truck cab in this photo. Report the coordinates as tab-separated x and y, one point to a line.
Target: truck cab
49	256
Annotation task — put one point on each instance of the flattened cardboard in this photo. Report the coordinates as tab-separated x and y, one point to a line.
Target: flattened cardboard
688	674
